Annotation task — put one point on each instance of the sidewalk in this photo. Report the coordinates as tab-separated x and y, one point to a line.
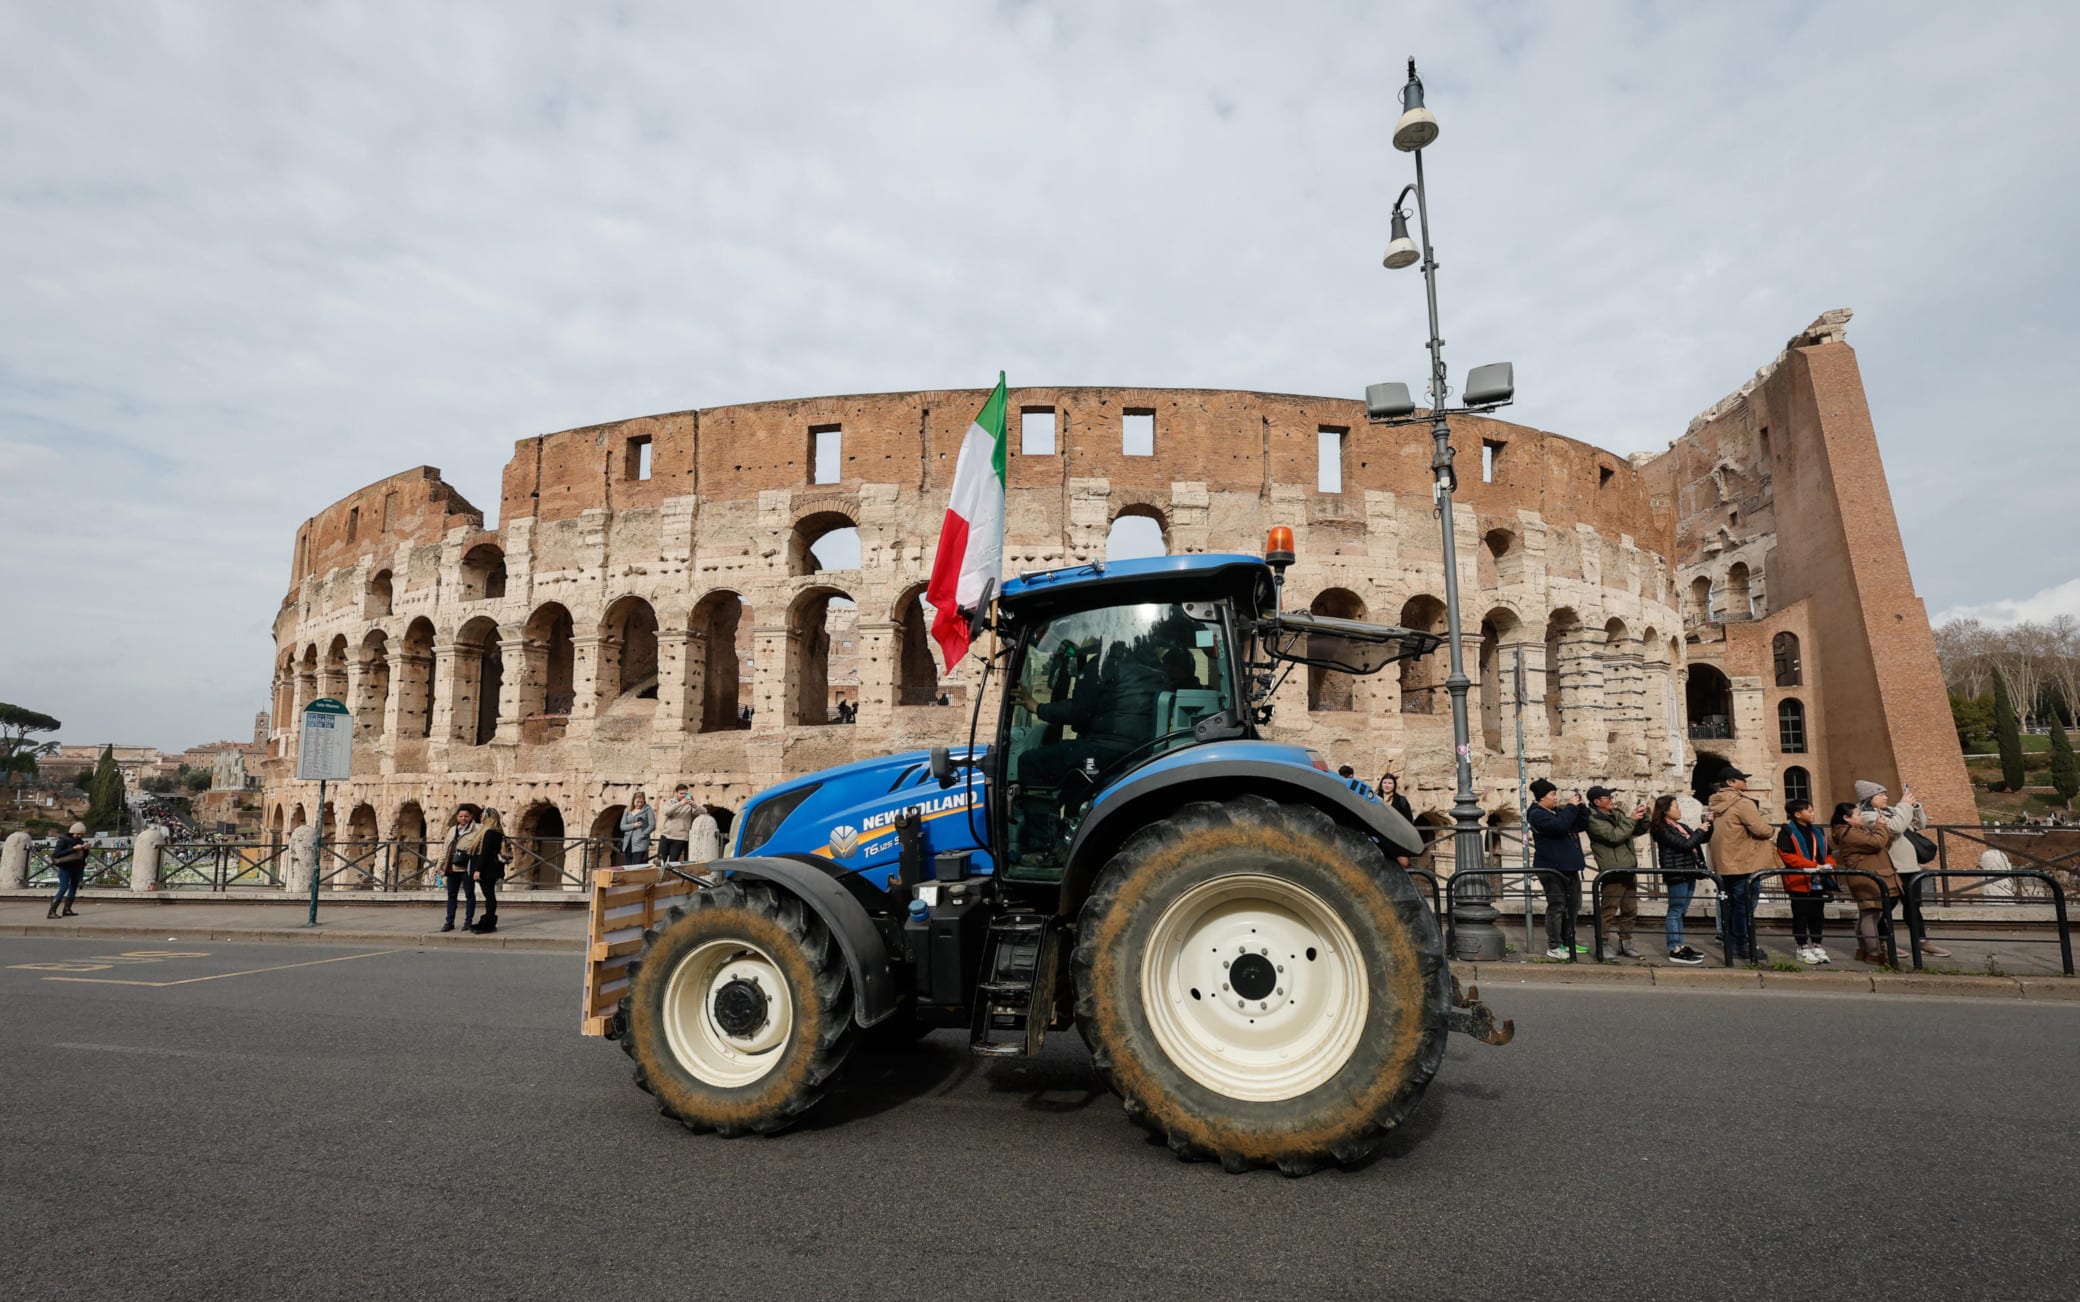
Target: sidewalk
413	923
2027	971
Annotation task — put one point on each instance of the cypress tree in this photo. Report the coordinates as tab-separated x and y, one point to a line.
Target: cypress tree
2007	735
105	795
2065	770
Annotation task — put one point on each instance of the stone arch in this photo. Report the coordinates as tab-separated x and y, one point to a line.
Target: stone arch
605	836
1422	677
483	576
1559	626
1327	689
721	630
1708	702
410	823
333	681
361	824
823	541
915	654
1501	559
1614	632
1498	626
540	831
548	678
297	817
1698	609
379	599
809	627
1786	661
1740	602
277	829
408	853
414	677
479	675
372	683
1127	540
285	690
306	682
627	655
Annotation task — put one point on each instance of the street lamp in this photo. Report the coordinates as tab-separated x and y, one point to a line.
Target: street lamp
1487	387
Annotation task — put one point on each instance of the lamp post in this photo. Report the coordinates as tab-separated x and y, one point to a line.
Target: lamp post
1487	387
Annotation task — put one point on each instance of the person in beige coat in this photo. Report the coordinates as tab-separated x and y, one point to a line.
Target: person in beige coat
1905	816
1743	843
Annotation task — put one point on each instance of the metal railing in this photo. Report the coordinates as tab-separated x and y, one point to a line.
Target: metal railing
107	865
1458	890
1661	878
1886	900
1917	931
221	865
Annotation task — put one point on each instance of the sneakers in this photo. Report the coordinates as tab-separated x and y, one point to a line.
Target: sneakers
1610	952
1933	951
1811	955
1820	954
1581	949
1559	952
1685	955
1625	947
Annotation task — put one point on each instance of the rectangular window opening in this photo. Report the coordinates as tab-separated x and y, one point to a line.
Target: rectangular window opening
826	453
1137	433
1491	457
353	522
1603	476
1328	458
639	458
1036	432
389	510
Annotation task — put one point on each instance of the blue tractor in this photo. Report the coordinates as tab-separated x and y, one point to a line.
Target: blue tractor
1228	924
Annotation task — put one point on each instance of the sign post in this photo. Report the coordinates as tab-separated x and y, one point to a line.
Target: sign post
325	751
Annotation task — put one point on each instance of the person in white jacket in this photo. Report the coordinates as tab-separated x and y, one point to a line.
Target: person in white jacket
1906	816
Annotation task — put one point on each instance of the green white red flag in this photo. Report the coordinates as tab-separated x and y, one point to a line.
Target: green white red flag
970	558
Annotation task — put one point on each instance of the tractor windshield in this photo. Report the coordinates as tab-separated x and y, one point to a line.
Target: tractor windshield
1096	694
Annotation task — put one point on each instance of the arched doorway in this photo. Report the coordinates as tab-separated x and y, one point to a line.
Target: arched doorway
1328	689
540	854
1708	703
917	664
809	649
718	625
1422	677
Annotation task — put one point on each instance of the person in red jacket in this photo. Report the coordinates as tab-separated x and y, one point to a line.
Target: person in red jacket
1802	844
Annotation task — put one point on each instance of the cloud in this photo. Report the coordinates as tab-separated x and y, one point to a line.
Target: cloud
2037	608
252	257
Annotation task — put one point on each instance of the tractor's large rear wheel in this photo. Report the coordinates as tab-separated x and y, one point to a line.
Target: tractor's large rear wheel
1261	987
739	1010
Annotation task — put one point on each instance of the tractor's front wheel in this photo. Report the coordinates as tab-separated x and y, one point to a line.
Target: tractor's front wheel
1260	986
738	1012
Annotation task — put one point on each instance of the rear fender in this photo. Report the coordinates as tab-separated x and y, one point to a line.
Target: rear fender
866	955
1140	801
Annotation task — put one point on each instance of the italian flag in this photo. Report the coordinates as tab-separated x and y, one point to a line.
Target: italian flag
971	542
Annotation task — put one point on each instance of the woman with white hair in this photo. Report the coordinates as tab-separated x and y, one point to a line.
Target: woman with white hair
1904	817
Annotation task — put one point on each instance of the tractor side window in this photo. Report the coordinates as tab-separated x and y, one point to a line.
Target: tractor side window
1097	694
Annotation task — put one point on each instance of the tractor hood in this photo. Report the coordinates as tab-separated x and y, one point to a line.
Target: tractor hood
848	815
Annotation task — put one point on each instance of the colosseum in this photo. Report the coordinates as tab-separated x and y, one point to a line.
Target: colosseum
732	595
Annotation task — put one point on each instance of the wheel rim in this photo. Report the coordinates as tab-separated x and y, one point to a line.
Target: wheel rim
1234	998
727	973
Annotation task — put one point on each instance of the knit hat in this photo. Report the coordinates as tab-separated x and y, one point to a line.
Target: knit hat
1867	791
78	829
1541	789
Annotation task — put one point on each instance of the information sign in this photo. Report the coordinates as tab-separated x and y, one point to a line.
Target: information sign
326	751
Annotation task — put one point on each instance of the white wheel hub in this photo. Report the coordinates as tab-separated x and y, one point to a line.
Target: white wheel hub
728	1013
1254	987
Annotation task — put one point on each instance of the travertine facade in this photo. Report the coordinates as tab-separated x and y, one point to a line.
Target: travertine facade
654	579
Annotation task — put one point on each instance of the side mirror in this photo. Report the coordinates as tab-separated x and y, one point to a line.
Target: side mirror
942	765
978	618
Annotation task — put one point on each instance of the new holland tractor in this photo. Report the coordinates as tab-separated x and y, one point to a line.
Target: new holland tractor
1221	918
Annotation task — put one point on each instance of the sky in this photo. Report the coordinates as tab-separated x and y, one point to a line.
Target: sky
253	257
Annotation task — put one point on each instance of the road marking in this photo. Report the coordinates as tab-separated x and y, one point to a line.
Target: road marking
188	981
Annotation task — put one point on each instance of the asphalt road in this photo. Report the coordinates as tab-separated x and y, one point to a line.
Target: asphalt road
430	1124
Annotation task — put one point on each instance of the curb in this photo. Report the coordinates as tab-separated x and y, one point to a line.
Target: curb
2040	989
304	936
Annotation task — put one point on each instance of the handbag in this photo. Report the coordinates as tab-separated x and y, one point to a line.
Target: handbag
1924	849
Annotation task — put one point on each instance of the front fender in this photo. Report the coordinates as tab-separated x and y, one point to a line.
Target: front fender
866	955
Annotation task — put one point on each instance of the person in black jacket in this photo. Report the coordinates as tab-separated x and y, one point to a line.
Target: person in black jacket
69	857
1679	851
487	866
1556	853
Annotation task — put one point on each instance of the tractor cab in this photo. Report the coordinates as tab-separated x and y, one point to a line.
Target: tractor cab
1114	665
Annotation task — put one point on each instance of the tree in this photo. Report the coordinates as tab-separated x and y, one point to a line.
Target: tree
105	796
195	779
16	723
2065	769
2007	735
158	785
1973	716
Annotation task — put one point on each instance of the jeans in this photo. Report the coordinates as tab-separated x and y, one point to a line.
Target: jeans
1739	910
1563	903
460	881
68	885
1679	893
